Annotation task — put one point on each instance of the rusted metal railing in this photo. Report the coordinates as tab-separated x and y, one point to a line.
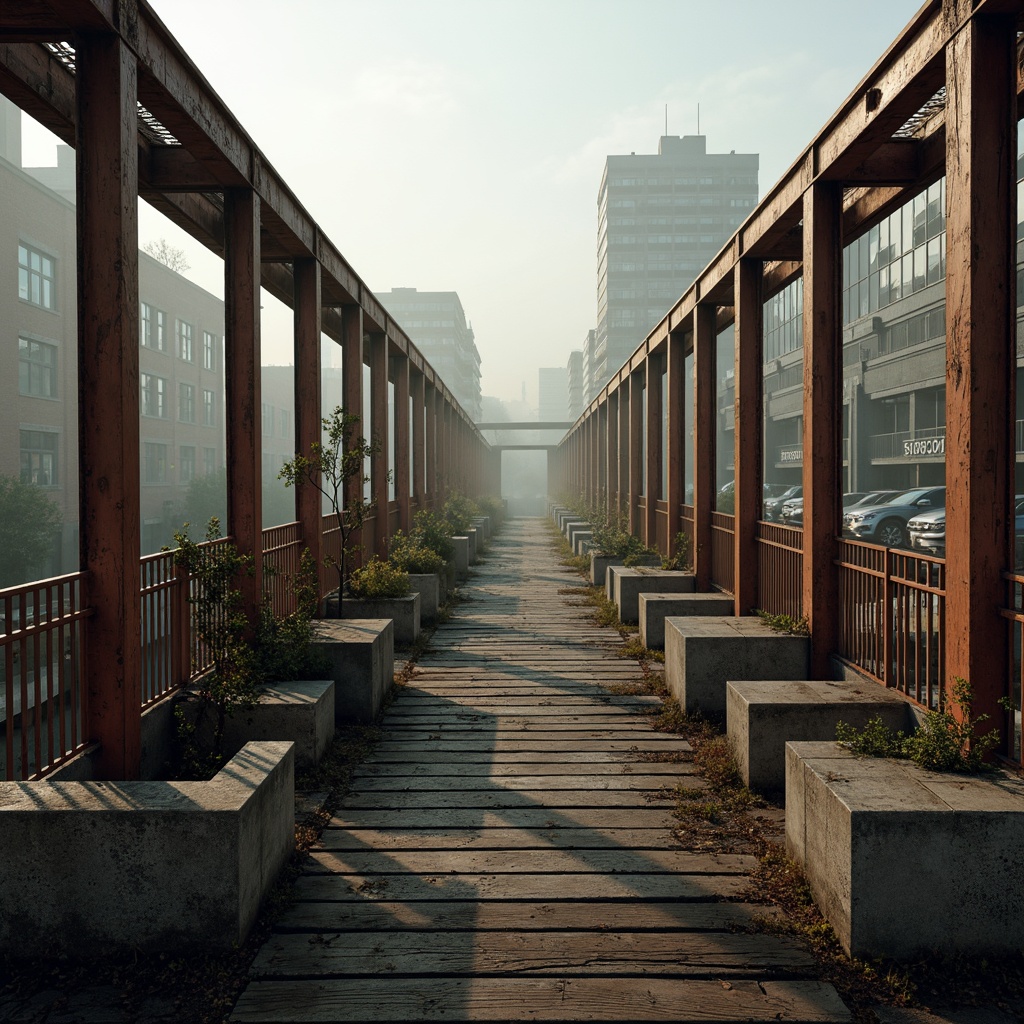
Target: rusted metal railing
41	660
892	618
282	553
686	524
780	569
1013	612
166	651
723	551
330	549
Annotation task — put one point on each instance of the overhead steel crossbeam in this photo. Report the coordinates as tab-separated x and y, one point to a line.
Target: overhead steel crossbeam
191	149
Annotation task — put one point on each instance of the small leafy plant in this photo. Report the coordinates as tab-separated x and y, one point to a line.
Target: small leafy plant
946	741
413	556
679	561
431	530
378	581
458	512
784	623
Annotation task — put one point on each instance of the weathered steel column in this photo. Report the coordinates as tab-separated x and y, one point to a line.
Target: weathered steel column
352	391
622	506
380	432
981	126
822	445
703	440
402	434
747	433
652	370
636	444
601	495
108	398
242	386
308	427
419	390
676	461
612	454
444	454
431	470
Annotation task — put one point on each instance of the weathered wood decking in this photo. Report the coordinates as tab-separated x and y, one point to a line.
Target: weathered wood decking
506	853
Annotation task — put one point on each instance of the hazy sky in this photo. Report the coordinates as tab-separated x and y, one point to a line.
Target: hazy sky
459	144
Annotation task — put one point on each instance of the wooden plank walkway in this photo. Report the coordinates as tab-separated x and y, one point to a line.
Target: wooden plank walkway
506	852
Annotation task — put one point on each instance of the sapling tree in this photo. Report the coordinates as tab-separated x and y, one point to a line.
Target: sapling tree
335	466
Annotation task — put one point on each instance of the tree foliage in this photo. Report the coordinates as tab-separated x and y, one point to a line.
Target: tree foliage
29	523
169	255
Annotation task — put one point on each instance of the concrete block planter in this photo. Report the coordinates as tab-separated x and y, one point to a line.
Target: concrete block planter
581	541
483	526
763	715
903	861
653	609
428	586
629	584
153	866
475	547
572	529
702	653
403	611
361	655
460	557
599	564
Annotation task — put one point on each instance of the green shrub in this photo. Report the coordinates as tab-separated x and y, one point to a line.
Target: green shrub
457	512
430	530
412	556
378	581
493	507
680	559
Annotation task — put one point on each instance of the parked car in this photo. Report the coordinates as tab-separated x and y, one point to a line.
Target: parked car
793	510
927	532
773	506
886	522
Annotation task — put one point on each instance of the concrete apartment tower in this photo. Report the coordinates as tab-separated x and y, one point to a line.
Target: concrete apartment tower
553	394
660	220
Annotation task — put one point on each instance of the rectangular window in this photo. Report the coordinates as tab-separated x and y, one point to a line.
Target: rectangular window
153	328
209	461
209	351
186	403
268	420
154	396
161	331
286	423
39	457
154	463
145	323
35	278
209	409
184	340
186	464
37	368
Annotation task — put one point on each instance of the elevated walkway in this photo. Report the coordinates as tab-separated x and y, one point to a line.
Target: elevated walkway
507	853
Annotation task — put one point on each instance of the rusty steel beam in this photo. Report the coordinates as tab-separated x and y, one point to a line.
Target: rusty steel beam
704	407
652	385
307	309
747	433
675	385
108	401
380	431
402	435
242	387
981	351
822	409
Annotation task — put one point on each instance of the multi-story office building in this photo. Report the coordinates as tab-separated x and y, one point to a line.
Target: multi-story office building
590	388
577	387
436	323
552	393
181	379
660	219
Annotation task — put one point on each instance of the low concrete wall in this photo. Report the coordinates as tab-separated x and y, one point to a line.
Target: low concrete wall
361	655
630	583
428	586
653	609
460	557
702	653
154	866
904	862
403	611
763	715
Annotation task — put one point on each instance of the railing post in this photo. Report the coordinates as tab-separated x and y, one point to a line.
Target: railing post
703	440
747	434
308	416
887	618
822	405
981	131
108	408
352	360
181	627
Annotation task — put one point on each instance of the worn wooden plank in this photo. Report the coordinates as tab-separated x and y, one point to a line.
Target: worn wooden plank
515	817
505	797
516	784
564	999
584	953
367	774
632	755
454	838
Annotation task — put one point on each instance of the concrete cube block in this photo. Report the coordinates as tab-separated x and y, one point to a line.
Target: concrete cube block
403	611
152	866
653	609
581	541
904	862
599	564
475	548
763	715
428	586
703	652
574	528
630	583
461	557
301	711
361	658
